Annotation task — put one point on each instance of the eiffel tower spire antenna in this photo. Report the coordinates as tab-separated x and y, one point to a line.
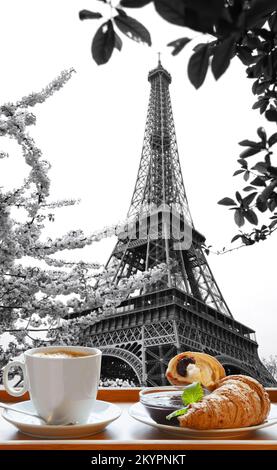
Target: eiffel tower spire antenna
159	178
185	310
159	58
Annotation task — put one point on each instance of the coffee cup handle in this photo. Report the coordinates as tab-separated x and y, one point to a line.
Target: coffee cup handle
11	390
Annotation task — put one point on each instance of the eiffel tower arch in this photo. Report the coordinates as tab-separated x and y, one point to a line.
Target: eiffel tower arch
185	310
133	362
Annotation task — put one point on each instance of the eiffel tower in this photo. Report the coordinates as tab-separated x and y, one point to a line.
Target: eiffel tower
185	309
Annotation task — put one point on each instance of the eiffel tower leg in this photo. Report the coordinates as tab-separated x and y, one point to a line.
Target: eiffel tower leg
167	256
144	372
161	365
157	358
248	366
183	269
160	342
177	340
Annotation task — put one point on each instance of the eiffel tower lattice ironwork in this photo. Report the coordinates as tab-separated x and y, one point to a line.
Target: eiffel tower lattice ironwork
185	310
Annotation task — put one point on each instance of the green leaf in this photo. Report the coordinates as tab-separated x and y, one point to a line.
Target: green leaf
199	46
258	11
249	143
245	55
212	7
118	41
264	33
227	201
239	219
258	104
133	29
243	163
259	87
268	159
238	197
251	217
273	23
134	3
172	11
261	204
261	103
253	42
272	224
103	43
176	413
121	12
262	134
222	56
198	66
248	199
236	237
258	181
273	171
272	139
249	152
247	241
271	115
192	393
178	45
237	172
89	15
246	175
248	188
261	167
197	15
272	204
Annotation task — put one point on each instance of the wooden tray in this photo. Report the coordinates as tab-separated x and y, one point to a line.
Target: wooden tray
126	433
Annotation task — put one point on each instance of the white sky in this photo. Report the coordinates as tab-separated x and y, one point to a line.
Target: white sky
92	133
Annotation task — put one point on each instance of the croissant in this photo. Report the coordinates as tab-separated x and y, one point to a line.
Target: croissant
188	367
237	401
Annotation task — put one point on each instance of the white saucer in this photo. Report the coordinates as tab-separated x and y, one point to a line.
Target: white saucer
102	414
138	412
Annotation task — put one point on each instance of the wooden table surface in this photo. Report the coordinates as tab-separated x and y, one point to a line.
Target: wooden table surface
126	433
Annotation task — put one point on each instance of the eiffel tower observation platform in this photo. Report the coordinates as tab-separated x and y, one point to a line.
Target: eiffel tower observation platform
185	309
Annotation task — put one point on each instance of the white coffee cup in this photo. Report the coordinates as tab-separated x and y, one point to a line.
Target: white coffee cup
62	388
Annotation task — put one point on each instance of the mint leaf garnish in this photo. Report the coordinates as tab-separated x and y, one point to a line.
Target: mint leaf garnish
176	413
192	393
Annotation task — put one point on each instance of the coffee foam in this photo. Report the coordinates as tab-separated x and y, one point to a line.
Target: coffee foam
61	354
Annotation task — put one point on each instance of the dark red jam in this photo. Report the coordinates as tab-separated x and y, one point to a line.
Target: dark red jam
183	364
161	404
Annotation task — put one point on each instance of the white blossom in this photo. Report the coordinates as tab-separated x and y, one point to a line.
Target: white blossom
38	289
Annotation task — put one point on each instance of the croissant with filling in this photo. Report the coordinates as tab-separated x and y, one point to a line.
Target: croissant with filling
237	401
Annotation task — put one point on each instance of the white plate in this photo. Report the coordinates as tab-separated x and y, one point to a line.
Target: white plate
102	415
138	412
